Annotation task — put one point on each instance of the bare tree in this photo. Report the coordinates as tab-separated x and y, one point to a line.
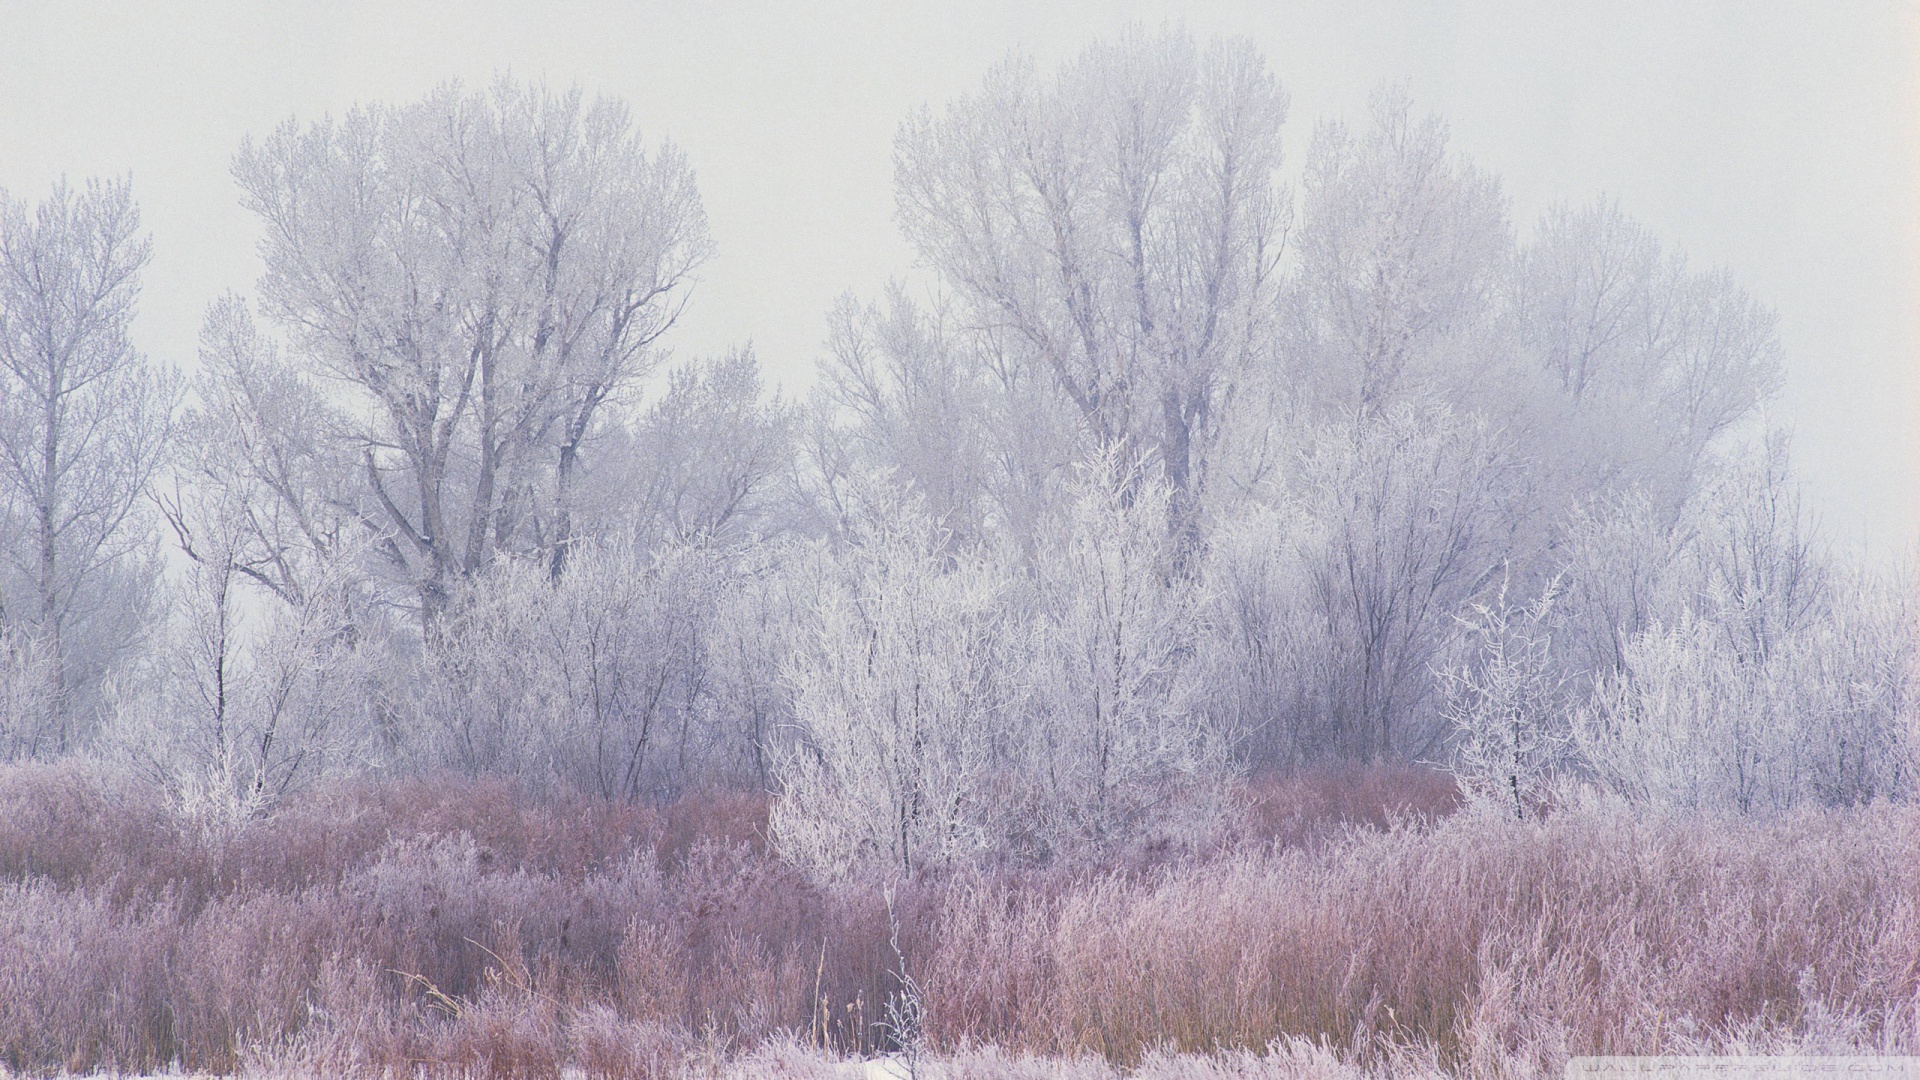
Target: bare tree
912	401
701	465
1261	651
1617	559
262	442
983	440
757	619
1400	247
1739	553
255	700
83	421
1416	512
1858	681
1116	227
1655	360
485	271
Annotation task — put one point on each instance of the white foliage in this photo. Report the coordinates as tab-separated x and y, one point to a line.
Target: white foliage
1682	725
1827	716
698	466
251	701
1149	511
1731	667
1116	727
83	423
1506	707
900	698
594	681
29	695
1618	570
257	440
1856	690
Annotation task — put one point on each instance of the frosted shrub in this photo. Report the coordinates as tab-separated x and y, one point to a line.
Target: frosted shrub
1506	707
1857	691
1827	718
1116	728
900	699
1842	691
247	704
1682	725
1732	667
1415	511
1259	651
29	694
594	681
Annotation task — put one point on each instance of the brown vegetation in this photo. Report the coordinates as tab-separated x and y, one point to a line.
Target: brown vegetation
462	928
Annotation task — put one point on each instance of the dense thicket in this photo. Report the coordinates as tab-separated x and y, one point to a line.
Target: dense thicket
1174	474
440	927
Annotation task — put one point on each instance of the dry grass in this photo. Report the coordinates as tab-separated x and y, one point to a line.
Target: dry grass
1491	942
1339	927
1288	809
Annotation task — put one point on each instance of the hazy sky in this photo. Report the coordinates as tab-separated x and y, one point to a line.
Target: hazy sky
1777	140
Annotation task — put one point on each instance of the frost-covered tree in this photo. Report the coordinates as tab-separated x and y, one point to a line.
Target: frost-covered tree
1739	553
1114	227
1400	249
1414	513
262	442
253	699
1617	559
901	698
484	272
1828	718
756	619
1335	593
83	421
596	682
983	441
1507	707
1116	733
1654	360
1681	725
911	400
1755	568
1261	650
702	465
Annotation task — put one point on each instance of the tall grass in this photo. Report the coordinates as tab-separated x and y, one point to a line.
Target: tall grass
1339	923
1488	940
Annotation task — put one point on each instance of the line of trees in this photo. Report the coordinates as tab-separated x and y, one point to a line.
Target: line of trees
1175	473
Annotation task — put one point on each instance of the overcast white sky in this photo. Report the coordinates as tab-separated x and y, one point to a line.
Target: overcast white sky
1779	140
